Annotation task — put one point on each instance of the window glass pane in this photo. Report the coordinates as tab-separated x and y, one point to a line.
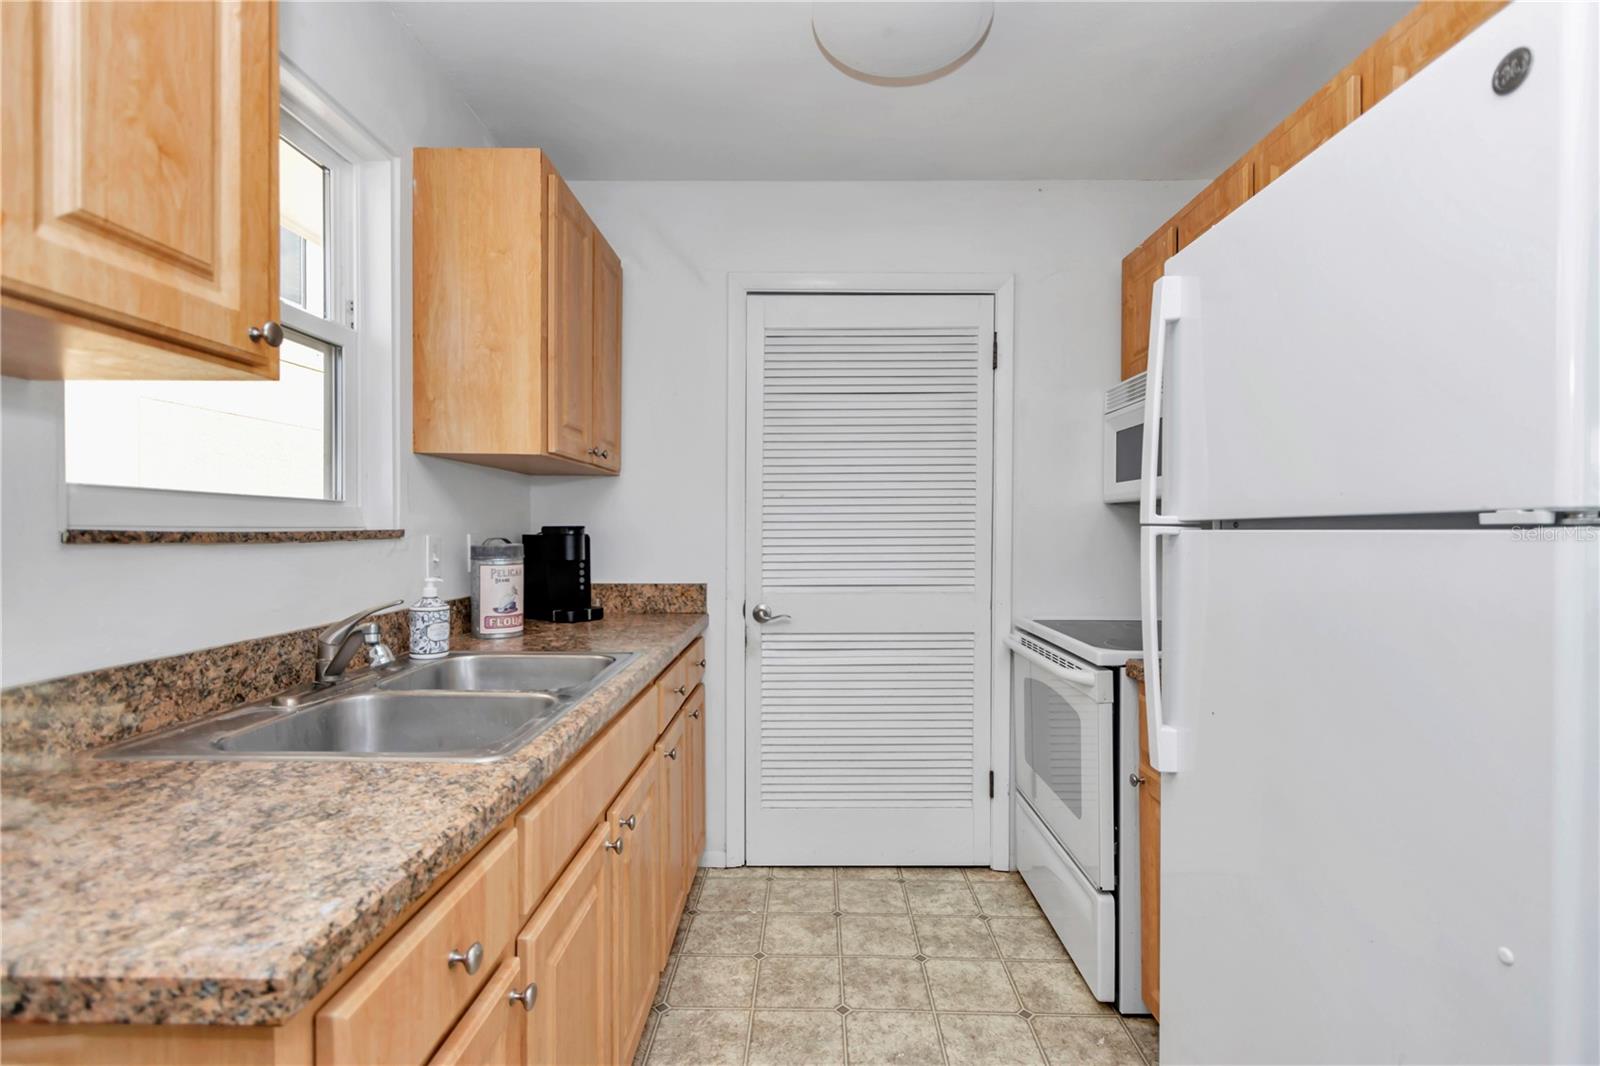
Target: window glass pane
249	438
302	220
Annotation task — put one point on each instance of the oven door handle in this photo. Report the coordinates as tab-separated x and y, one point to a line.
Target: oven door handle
1078	675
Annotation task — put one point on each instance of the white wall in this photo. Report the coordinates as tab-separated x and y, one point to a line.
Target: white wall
75	608
664	520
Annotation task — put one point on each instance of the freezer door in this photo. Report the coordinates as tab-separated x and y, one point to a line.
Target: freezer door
1405	322
1382	844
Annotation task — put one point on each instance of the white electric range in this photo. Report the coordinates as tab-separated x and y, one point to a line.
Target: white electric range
1075	817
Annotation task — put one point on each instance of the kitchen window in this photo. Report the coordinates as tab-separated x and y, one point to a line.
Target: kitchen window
312	450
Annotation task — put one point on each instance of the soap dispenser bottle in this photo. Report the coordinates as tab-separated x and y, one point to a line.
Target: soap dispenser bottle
430	616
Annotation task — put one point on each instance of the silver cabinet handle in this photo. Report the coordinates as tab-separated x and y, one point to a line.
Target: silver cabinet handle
694	714
673	754
605	453
526	997
680	691
614	845
630	822
471	960
701	664
269	331
1135	780
763	614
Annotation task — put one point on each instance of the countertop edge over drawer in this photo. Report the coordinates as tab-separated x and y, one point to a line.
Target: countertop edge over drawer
232	893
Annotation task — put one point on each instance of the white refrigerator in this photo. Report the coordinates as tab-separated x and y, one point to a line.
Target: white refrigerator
1372	581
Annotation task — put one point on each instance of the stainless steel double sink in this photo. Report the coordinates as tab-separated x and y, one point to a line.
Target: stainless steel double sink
467	707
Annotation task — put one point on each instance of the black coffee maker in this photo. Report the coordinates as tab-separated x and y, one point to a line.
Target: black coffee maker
557	575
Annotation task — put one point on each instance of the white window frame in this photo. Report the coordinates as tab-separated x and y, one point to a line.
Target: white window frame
361	290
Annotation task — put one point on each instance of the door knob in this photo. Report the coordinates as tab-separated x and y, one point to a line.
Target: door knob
270	332
526	997
763	614
468	960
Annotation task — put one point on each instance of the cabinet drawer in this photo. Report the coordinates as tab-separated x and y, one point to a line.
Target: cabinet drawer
491	1032
550	829
674	687
406	998
695	663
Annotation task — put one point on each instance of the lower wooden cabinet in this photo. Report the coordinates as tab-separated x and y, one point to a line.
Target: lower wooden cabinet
636	827
694	733
490	1033
1149	871
406	997
673	752
567	956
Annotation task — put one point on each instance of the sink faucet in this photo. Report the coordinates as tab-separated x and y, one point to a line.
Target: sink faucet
337	644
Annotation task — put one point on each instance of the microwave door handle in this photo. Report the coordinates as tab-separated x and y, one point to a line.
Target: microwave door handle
1166	307
1078	675
1162	738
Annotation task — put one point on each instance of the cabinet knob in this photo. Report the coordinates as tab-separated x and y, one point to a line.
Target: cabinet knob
1135	780
614	845
605	453
470	960
694	713
701	664
680	691
526	997
673	754
630	822
268	331
594	452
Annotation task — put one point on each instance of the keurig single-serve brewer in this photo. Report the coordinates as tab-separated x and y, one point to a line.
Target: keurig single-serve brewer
557	560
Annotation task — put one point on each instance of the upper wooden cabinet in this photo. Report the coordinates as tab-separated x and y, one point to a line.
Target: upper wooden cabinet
517	317
1426	32
1423	34
1139	273
1333	108
1215	202
140	189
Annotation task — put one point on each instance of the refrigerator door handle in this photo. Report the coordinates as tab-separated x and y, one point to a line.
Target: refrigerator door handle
1166	307
1162	738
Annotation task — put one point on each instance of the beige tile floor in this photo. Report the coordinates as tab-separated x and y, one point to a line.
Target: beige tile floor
861	965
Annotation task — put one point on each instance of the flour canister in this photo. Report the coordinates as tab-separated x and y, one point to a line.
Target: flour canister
496	588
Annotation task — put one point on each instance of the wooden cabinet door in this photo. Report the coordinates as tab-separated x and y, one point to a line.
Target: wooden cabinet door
1149	872
1215	202
695	780
1139	273
673	751
633	822
1328	112
569	330
405	998
567	954
141	181
490	1033
607	419
1425	33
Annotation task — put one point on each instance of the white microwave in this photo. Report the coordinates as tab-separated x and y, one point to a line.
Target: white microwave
1122	445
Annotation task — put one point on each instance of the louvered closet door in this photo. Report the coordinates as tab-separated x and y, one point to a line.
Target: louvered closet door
868	509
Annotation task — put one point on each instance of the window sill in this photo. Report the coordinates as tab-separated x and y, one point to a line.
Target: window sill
217	536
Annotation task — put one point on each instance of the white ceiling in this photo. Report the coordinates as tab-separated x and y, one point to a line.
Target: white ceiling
671	90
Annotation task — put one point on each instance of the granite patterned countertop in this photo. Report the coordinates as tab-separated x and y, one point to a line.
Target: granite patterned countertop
232	892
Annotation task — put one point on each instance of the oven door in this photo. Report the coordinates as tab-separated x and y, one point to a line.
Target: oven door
1065	743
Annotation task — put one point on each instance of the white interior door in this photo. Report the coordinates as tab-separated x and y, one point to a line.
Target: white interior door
868	533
